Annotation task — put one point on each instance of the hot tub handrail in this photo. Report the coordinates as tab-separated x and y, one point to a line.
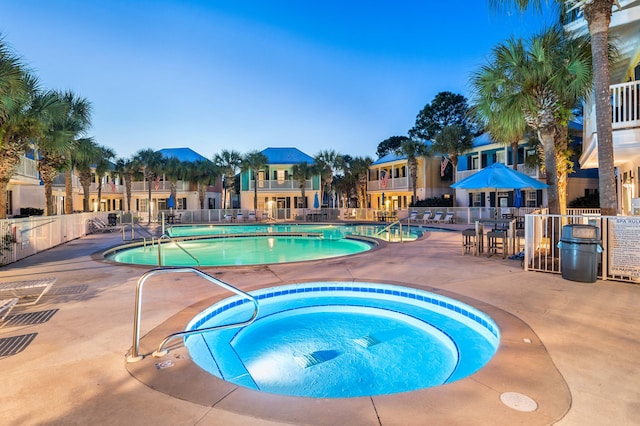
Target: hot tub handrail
134	356
388	228
167	237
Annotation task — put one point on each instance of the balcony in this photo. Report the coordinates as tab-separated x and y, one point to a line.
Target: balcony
274	185
27	169
531	172
398	184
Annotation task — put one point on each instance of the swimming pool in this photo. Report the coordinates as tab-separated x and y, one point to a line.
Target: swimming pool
329	231
239	250
343	339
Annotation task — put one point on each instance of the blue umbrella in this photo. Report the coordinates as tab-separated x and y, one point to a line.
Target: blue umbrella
171	203
316	202
498	176
517	201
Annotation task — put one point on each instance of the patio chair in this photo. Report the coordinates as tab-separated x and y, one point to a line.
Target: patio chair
6	305
436	218
413	215
28	289
448	218
426	217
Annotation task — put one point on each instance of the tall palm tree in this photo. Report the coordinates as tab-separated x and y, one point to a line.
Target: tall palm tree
229	161
359	167
301	173
174	170
102	166
454	141
81	161
19	119
253	162
326	160
598	16
148	162
412	149
203	173
544	78
127	169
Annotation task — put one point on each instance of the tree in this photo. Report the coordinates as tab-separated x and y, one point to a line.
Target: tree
301	173
15	89
390	145
446	109
203	173
326	161
598	16
412	149
174	170
359	168
453	140
229	161
127	169
253	162
544	78
148	162
81	160
102	166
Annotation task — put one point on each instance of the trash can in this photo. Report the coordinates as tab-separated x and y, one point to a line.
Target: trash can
579	247
112	218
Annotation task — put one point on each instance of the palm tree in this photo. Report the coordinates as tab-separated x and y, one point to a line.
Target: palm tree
102	166
412	149
19	118
301	173
148	162
598	16
454	141
203	173
82	159
253	162
326	161
127	169
544	78
174	170
359	168
229	161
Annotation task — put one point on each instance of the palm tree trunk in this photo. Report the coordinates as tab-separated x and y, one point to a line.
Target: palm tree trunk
68	200
3	198
514	154
546	137
598	15
127	188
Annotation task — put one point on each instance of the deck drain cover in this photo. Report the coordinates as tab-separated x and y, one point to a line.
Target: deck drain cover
518	401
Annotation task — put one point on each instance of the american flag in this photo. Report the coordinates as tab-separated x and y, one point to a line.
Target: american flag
157	182
443	165
113	186
385	178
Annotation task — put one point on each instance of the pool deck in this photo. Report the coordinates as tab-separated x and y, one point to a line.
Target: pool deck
572	347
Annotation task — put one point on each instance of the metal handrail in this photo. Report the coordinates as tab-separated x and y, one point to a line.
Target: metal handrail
388	228
167	237
135	356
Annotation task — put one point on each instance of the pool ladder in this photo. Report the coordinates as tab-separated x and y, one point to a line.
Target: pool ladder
388	228
134	355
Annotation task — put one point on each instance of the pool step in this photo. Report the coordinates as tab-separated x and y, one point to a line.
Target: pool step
366	341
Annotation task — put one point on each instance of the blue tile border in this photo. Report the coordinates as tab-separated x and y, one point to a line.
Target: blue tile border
353	287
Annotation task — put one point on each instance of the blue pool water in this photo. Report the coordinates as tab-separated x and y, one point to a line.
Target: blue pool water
343	339
332	231
240	251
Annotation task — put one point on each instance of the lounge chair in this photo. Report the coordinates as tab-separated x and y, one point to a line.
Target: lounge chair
448	218
6	305
97	225
426	218
28	289
252	216
436	218
227	217
239	217
413	215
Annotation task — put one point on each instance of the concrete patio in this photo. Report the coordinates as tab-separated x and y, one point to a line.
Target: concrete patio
73	371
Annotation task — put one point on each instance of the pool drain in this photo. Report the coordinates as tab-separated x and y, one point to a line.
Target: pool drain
518	401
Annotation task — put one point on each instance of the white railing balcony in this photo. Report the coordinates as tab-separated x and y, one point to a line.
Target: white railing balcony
274	185
27	168
625	105
394	183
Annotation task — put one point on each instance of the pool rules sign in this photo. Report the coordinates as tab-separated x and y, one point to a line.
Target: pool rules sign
624	241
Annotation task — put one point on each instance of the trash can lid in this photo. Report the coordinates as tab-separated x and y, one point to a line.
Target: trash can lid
578	232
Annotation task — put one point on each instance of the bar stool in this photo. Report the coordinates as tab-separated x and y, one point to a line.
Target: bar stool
469	242
497	243
519	240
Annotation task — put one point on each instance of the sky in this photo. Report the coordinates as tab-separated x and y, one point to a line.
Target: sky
250	74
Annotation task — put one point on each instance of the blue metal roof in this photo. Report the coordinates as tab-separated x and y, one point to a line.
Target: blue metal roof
483	139
286	156
182	154
392	156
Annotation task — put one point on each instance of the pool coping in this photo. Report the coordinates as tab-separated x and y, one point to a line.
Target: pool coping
177	376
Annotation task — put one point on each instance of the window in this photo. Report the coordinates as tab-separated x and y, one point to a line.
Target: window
280	176
474	163
500	157
477	199
532	199
261	179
